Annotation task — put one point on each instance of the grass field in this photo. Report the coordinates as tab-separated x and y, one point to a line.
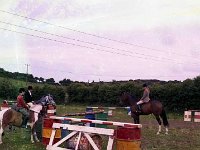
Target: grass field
182	135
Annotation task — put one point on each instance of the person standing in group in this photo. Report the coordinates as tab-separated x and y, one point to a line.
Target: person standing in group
145	98
28	95
22	106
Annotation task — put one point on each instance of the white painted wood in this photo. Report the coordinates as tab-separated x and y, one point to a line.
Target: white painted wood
188	116
78	141
91	141
97	121
50	147
53	132
110	143
65	138
84	129
197	117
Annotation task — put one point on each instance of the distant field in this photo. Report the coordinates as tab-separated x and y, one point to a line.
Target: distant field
182	135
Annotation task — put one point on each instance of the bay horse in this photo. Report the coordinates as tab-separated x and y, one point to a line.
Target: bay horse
152	107
14	118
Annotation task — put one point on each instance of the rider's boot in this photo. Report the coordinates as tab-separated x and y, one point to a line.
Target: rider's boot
139	110
24	122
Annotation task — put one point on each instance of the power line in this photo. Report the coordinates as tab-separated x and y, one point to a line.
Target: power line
63	42
97	49
102	75
80	40
95	44
94	35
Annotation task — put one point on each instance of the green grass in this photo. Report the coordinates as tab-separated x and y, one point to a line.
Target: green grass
182	135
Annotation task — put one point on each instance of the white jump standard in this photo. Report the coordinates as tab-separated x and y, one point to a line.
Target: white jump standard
85	130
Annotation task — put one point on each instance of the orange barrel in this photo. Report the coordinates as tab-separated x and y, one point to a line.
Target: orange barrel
128	138
51	110
47	129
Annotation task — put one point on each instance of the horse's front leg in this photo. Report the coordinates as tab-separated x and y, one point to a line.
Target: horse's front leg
166	130
3	125
160	123
1	132
34	134
32	131
136	118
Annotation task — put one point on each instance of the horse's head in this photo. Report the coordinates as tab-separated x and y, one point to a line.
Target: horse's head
126	99
46	100
50	100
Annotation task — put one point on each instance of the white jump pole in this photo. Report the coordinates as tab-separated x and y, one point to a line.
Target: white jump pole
98	122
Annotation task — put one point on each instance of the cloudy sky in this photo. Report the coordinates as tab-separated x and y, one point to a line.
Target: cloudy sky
101	39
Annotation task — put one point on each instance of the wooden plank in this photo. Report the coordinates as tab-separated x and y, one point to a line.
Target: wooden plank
84	129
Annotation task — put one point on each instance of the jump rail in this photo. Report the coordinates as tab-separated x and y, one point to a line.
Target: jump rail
86	131
107	107
83	113
98	122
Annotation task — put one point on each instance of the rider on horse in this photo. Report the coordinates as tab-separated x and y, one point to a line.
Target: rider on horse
28	97
145	98
22	106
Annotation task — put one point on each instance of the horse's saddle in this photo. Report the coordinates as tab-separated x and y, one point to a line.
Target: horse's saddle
14	106
140	106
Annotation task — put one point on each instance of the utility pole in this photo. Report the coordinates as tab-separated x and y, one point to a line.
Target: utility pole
27	65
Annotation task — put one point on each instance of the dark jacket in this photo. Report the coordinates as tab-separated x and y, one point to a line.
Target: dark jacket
28	97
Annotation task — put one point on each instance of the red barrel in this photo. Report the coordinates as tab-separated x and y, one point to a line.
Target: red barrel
47	129
4	105
128	138
51	110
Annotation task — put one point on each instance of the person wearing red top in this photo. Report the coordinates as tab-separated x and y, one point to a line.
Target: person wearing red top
20	102
23	107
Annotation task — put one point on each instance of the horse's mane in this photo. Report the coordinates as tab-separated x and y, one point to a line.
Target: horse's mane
132	96
41	100
45	99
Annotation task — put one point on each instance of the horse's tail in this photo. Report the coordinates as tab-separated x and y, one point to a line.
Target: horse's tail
164	118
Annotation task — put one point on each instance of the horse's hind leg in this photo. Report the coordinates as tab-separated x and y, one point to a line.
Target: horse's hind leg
33	133
159	122
1	132
31	125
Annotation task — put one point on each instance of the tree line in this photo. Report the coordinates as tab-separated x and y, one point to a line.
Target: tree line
175	95
30	78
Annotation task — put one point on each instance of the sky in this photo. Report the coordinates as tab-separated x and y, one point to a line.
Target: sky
101	40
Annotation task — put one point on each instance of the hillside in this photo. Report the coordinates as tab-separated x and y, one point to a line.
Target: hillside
175	95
